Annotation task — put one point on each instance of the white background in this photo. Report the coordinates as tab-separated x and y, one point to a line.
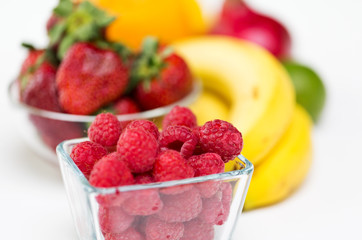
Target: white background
326	35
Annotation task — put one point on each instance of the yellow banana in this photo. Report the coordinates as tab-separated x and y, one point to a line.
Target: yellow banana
285	167
206	101
256	87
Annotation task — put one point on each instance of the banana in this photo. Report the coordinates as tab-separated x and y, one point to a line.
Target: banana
258	91
285	168
206	101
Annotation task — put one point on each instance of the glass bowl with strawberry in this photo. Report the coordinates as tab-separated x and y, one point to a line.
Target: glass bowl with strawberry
61	88
137	182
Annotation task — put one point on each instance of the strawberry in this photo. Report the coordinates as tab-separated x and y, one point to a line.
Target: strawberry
37	81
38	89
90	77
125	105
160	76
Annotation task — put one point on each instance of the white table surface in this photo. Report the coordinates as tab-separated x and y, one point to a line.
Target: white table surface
326	35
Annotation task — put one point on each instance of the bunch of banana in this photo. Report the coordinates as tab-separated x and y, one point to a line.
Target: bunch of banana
247	86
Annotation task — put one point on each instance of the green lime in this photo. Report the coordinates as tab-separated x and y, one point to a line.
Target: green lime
310	90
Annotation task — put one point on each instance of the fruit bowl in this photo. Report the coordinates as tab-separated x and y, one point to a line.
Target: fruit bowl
109	213
44	130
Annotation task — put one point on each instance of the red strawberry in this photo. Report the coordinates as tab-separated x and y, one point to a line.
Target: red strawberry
161	76
89	78
38	89
37	82
125	105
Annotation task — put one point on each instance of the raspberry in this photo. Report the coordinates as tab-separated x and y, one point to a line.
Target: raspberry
157	229
147	125
110	171
198	230
179	138
212	209
179	116
114	219
129	234
170	165
206	164
143	202
227	196
181	207
105	129
144	178
140	224
176	189
138	149
112	200
208	189
86	154
221	137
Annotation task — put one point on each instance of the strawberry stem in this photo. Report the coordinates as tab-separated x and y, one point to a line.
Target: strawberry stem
148	63
81	22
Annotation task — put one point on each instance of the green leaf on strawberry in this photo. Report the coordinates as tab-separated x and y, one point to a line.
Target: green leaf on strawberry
149	63
64	8
81	22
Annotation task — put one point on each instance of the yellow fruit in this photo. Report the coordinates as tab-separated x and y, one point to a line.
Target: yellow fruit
253	83
208	107
285	167
168	20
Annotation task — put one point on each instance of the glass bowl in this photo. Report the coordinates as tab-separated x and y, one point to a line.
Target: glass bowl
204	207
44	130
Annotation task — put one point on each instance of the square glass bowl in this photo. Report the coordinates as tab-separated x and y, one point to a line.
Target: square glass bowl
43	130
204	207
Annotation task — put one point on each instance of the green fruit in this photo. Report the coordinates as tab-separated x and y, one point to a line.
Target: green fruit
310	91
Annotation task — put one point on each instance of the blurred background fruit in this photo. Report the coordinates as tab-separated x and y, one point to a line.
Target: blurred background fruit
239	20
285	167
165	19
310	90
250	80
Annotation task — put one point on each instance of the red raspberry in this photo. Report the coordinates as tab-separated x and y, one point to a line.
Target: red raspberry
143	202
176	189
144	178
170	165
179	116
227	195
179	138
114	219
110	171
157	229
208	189
206	164
129	234
105	129
221	137
147	125
140	224
212	209
86	154
112	200
198	230
181	207
138	149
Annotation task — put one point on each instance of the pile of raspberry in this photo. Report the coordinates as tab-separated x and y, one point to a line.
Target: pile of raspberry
139	153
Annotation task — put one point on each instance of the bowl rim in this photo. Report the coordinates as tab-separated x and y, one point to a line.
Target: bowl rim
247	168
13	95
